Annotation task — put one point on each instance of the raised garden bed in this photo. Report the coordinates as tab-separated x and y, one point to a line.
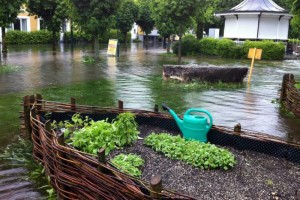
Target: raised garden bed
266	172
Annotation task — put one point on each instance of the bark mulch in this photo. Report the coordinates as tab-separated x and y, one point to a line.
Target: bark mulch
256	175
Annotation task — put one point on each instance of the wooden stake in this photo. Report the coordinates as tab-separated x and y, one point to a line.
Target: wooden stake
73	104
101	159
251	68
155	108
156	186
120	105
26	111
39	99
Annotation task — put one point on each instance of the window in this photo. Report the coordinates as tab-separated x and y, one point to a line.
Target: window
21	24
24	25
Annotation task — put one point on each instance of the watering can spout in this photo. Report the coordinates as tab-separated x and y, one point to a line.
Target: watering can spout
174	115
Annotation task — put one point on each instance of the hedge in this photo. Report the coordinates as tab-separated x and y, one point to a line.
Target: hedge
35	37
270	50
45	37
189	46
227	48
83	37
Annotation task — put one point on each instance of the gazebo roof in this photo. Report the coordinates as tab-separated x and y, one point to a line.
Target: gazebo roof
256	6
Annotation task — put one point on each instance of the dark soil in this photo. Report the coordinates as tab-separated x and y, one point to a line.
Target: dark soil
256	175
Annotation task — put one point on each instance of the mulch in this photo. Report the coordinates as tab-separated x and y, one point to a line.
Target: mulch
256	175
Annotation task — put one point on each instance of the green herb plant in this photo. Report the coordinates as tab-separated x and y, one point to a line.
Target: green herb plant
297	85
195	153
102	134
130	164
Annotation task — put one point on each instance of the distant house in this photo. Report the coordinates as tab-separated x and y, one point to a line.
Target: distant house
25	22
256	20
137	33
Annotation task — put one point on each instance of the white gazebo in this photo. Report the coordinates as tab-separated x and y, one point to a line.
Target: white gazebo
256	20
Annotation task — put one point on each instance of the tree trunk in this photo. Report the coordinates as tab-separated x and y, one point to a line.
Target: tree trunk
53	40
169	44
93	44
72	35
165	42
4	46
125	40
96	45
199	31
147	41
179	49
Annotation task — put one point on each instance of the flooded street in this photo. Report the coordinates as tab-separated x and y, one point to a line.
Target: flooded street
136	78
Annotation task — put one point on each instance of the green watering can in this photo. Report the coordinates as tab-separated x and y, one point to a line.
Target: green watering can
193	126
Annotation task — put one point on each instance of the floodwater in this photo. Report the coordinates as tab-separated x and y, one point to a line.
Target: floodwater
136	78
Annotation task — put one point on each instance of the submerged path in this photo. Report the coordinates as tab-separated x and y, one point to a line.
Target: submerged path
14	184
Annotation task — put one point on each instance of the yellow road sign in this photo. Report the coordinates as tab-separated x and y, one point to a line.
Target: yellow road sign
256	53
253	53
112	47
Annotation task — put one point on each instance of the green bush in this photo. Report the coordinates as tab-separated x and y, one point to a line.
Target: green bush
208	46
84	37
227	48
35	37
77	37
189	46
270	50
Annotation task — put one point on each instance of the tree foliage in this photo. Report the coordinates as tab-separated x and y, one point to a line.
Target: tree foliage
9	11
126	16
53	12
179	13
164	25
296	20
204	14
95	17
145	20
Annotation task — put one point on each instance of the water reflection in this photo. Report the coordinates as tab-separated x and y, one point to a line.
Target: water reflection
136	78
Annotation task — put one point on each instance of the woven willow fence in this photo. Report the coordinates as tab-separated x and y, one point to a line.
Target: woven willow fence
290	95
78	175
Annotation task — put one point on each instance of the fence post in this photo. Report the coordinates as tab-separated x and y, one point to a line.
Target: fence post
61	141
156	186
26	112
48	128
39	99
73	104
101	159
120	105
155	108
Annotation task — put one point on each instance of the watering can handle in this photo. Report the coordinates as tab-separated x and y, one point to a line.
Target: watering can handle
200	110
165	107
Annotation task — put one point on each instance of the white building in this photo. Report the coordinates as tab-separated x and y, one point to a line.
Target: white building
256	19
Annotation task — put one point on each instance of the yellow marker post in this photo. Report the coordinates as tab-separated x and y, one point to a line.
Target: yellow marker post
253	53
